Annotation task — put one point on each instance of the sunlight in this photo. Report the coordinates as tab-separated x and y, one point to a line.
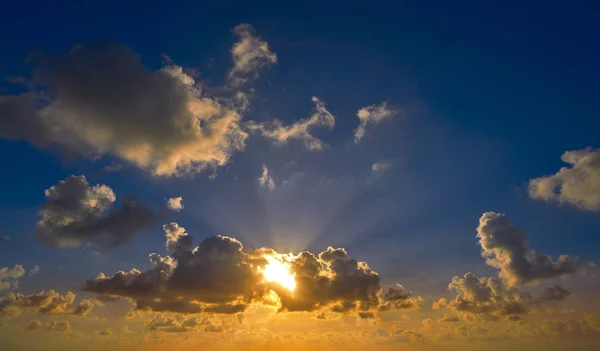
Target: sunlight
278	272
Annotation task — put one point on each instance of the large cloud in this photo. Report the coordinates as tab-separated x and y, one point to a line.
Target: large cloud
250	54
221	276
100	99
578	184
76	214
506	247
372	114
300	130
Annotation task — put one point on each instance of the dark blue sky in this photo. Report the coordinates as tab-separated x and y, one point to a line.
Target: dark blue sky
495	93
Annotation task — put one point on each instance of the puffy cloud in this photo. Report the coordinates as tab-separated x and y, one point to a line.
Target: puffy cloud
250	54
266	181
372	114
383	166
9	277
175	203
300	130
578	184
4	238
46	302
506	247
77	214
60	326
34	324
221	276
176	324
448	318
100	99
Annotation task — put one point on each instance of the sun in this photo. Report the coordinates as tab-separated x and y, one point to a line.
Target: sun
278	272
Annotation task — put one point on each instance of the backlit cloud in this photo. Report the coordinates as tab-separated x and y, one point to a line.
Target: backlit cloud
46	302
77	214
372	114
300	130
578	184
250	54
175	203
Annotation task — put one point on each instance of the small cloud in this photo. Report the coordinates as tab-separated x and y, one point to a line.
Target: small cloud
34	324
372	114
250	54
382	166
113	167
60	326
266	181
9	277
175	203
34	271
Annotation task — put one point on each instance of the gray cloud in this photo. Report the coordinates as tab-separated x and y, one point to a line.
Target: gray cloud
34	324
266	181
4	239
77	214
250	54
372	114
578	184
506	247
100	99
300	130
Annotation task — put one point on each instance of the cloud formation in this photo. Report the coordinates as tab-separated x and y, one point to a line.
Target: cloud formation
266	181
99	99
250	54
382	166
506	247
60	326
300	130
175	203
77	214
9	277
46	302
578	184
221	276
372	114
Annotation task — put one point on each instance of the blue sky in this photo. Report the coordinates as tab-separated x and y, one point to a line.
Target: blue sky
492	94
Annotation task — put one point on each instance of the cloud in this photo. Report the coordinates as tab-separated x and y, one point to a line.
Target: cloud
506	247
221	276
60	326
105	332
77	214
266	181
9	277
34	271
372	114
100	99
578	184
34	324
250	54
300	130
175	203
46	302
448	318
554	293
383	166
4	239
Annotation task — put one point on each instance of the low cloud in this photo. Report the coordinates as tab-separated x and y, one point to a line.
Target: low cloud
266	181
300	130
175	203
506	247
373	114
221	276
577	184
77	214
250	54
46	302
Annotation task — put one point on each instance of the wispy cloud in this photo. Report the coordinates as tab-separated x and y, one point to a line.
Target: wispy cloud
373	114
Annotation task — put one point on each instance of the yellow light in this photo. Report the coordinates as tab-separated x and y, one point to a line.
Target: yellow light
278	272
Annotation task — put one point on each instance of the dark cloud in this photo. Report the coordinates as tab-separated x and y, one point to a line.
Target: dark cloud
554	293
4	238
221	276
506	247
77	214
34	324
45	302
60	326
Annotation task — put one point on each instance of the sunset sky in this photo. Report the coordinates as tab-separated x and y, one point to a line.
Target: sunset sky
407	175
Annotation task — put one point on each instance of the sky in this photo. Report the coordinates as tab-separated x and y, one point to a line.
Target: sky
250	176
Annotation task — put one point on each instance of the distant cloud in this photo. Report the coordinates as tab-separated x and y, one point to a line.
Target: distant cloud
220	276
175	203
300	130
9	277
250	54
382	166
46	302
372	114
266	181
159	120
577	184
34	271
113	167
77	214
506	247
4	239
34	324
60	326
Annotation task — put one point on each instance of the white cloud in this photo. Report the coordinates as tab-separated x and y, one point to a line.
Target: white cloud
577	184
250	54
382	166
266	181
372	114
175	203
300	130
